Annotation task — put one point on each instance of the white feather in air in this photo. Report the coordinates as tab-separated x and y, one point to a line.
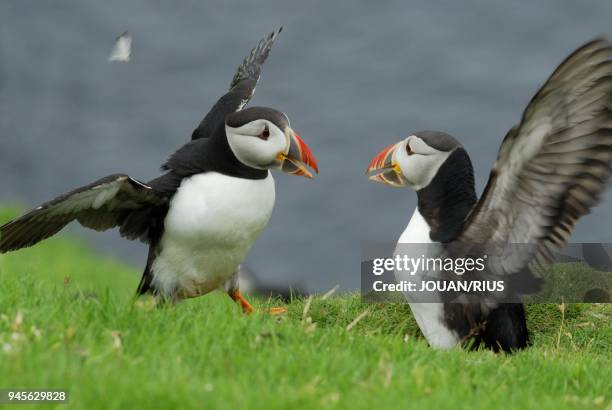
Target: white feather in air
122	49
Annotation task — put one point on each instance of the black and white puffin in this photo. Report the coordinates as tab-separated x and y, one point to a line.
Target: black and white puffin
202	215
551	169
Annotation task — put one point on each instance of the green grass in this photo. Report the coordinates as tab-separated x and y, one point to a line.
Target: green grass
86	334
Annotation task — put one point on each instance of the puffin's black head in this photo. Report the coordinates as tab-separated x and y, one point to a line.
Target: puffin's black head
415	161
261	138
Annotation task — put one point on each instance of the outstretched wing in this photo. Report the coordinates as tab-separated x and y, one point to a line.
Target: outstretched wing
115	200
242	87
552	167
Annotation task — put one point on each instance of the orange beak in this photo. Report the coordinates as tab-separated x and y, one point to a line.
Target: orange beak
385	169
297	157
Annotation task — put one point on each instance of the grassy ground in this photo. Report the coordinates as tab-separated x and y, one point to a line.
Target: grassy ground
67	320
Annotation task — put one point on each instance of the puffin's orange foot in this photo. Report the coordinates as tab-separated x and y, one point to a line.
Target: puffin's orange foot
247	308
277	310
271	311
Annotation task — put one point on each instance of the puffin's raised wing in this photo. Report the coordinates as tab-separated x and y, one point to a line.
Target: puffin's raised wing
552	167
242	87
116	200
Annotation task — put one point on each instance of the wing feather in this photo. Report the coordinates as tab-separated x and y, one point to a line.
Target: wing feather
122	49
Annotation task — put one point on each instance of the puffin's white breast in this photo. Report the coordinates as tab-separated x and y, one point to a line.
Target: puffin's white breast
417	230
212	222
429	315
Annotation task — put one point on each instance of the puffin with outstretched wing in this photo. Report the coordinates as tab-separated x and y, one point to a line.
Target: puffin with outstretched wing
203	214
551	169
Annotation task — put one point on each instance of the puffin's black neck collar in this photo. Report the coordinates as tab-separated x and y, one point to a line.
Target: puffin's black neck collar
447	200
212	154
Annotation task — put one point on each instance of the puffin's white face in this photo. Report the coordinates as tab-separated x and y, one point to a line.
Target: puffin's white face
261	144
410	162
257	143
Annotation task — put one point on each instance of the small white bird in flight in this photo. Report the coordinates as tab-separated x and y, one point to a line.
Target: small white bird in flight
122	49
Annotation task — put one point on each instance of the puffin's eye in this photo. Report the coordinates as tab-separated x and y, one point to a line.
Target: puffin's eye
409	150
265	134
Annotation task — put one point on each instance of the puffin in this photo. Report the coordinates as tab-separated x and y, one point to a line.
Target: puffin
550	170
201	216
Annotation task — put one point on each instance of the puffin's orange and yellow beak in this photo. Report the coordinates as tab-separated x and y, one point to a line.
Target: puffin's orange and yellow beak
385	170
297	157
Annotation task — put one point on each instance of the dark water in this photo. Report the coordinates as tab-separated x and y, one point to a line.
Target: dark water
353	77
